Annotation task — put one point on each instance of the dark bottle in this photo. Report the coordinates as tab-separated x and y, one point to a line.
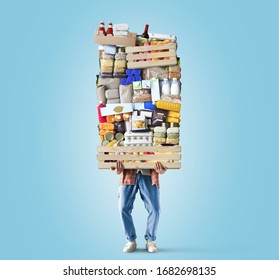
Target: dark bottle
145	33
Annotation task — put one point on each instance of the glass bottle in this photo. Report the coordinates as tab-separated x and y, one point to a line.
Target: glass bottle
145	32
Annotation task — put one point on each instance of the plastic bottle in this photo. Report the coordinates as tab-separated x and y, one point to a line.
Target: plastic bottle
100	117
109	30
166	87
175	87
102	28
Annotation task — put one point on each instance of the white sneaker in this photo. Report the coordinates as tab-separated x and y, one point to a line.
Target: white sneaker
130	246
151	246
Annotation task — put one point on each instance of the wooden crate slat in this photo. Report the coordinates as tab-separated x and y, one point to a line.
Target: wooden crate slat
169	53
139	149
153	63
138	165
151	48
156	157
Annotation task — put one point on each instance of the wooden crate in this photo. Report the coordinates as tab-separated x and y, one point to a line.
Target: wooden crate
133	157
164	50
117	41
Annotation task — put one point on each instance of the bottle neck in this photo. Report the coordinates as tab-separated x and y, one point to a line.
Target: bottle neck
146	28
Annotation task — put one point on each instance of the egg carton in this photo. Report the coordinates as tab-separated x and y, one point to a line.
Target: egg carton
138	138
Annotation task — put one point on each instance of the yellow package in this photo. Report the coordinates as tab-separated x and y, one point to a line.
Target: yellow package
107	126
172	120
166	105
173	114
104	131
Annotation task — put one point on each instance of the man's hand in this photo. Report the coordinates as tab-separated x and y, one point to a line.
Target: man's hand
159	168
119	167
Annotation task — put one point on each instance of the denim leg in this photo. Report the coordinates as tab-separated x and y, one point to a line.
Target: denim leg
150	194
127	195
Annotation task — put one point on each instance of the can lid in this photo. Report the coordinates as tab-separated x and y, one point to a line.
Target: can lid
109	136
104	142
119	136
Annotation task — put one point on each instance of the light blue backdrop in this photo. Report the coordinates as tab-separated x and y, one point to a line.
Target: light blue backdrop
222	204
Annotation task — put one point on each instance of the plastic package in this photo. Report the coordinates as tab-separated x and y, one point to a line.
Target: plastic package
171	98
173	114
175	75
118	117
106	64
126	116
107	126
172	141
126	93
158	117
160	134
172	120
120	127
174	72
161	104
138	123
113	101
110	119
173	135
155	72
141	95
112	93
101	97
157	140
120	64
109	83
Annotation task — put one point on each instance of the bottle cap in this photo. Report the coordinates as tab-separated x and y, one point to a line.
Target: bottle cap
124	81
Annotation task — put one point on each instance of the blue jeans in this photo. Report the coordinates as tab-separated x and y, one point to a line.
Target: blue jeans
150	195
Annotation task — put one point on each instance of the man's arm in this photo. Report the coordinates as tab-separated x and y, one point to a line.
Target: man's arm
159	168
119	167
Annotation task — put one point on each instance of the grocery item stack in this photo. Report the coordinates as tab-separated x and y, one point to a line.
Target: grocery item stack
139	95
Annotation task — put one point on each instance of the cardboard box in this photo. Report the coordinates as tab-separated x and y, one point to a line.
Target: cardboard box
116	108
117	41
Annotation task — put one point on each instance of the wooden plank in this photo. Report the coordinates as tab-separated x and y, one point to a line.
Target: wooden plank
127	149
169	53
151	48
146	64
118	41
138	165
156	157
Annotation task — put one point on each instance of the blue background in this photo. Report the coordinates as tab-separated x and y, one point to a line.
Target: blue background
222	204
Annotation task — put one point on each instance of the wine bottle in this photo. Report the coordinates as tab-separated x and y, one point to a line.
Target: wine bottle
145	33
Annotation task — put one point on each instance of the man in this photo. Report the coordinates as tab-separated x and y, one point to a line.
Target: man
147	183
